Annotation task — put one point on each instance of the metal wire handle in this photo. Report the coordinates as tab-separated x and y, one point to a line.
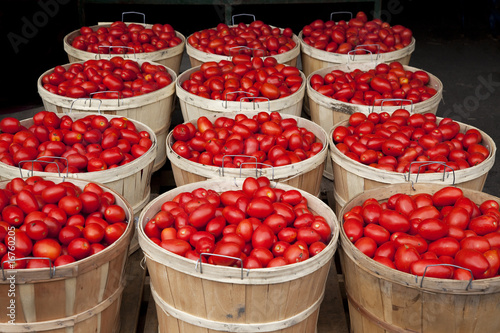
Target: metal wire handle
243	47
259	163
234	92
52	268
199	262
110	47
221	169
108	91
443	264
401	105
338	13
351	54
40	159
424	163
138	13
254	98
232	17
90	103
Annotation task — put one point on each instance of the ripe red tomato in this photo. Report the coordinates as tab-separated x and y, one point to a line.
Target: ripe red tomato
70	204
366	245
79	248
93	232
226	249
473	260
263	236
47	248
404	257
296	253
112	233
177	246
37	230
431	268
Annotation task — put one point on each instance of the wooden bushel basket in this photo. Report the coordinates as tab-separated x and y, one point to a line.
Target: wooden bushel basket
383	300
198	57
153	109
305	175
193	298
314	59
193	106
328	112
353	178
170	57
132	180
83	296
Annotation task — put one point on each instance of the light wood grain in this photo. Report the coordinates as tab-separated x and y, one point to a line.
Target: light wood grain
352	178
198	57
81	296
170	57
218	300
386	300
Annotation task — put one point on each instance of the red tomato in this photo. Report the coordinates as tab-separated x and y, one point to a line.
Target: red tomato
394	221
260	207
177	246
263	236
432	229
353	229
404	257
431	268
93	232
376	232
367	246
446	246
227	249
473	260
295	253
79	248
112	233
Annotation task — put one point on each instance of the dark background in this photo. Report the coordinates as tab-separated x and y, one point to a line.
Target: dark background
454	41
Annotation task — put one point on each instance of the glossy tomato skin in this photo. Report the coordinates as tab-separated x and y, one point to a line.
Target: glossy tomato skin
473	260
367	246
177	246
229	249
47	248
295	253
405	255
394	221
431	268
447	196
263	236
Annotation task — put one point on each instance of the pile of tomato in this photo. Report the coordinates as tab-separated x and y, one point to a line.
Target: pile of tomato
106	79
357	34
257	39
372	87
256	226
61	144
402	141
120	38
55	223
426	233
244	77
263	140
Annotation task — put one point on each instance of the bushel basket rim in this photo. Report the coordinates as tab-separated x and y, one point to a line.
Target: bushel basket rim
232	274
